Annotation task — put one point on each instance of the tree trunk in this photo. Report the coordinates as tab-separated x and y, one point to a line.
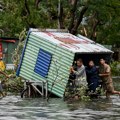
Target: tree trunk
93	33
37	3
60	16
72	15
27	8
74	29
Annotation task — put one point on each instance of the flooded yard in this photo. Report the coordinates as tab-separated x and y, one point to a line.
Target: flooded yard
15	108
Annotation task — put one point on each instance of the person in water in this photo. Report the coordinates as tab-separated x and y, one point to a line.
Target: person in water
92	76
80	73
105	75
80	77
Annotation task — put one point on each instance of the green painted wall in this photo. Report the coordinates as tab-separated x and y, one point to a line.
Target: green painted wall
10	49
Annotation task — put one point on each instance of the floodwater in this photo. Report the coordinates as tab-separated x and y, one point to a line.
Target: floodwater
15	108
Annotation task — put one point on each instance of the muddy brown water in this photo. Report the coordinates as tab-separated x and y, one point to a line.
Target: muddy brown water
14	108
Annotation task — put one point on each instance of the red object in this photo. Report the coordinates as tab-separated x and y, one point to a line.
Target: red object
12	41
0	47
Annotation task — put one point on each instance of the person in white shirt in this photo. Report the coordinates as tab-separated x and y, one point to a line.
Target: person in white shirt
80	73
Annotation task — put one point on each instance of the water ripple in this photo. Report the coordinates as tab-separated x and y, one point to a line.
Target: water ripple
15	108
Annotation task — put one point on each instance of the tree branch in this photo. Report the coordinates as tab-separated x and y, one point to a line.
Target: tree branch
74	29
72	15
93	33
37	3
60	16
27	8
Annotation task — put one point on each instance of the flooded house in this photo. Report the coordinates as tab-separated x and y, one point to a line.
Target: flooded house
48	55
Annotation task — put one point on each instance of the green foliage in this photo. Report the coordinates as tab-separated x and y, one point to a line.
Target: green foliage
72	91
12	84
107	13
18	51
82	93
115	68
16	15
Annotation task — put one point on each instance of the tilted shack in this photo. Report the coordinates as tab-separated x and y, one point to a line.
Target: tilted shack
48	55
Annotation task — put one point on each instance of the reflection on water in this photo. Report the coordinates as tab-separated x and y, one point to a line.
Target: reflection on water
15	108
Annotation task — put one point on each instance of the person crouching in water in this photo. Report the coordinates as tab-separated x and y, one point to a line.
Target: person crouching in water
105	75
92	77
80	73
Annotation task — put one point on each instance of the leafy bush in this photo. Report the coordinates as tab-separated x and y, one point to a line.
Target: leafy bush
115	68
12	84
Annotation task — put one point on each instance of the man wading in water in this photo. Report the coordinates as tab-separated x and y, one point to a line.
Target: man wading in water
92	76
107	83
80	75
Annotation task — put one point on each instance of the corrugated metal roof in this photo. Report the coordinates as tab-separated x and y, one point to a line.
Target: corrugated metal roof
72	43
